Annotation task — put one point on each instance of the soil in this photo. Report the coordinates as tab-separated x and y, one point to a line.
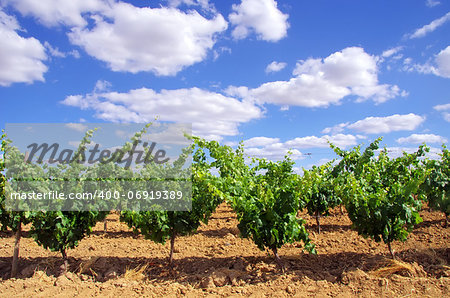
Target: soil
215	261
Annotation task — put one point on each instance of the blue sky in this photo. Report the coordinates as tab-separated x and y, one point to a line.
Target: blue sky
278	75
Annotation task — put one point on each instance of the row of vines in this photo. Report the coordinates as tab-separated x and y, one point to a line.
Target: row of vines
382	196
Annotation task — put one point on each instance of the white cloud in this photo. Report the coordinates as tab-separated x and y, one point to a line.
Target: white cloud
443	63
213	115
394	152
77	126
128	38
377	125
322	82
339	140
260	141
444	108
446	116
275	66
318	163
102	86
230	143
21	59
440	67
432	3
335	129
421	32
55	52
422	138
172	134
59	12
261	16
391	51
160	40
273	149
220	51
407	61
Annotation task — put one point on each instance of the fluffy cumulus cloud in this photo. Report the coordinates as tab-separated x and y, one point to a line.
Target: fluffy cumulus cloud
21	59
376	125
212	115
340	140
422	138
338	128
132	39
261	17
395	152
322	82
160	40
272	148
59	12
444	107
443	63
260	141
275	66
276	151
445	110
77	126
421	32
440	66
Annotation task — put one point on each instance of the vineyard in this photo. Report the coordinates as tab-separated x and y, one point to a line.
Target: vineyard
363	224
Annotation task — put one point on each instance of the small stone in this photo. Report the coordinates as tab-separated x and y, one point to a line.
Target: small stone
239	265
220	278
207	283
61	281
322	284
121	284
111	274
42	276
71	276
290	290
329	277
27	271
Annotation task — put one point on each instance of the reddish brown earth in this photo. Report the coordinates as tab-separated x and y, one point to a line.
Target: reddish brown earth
216	262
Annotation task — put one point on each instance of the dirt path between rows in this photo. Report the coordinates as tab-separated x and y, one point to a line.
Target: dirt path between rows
216	262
